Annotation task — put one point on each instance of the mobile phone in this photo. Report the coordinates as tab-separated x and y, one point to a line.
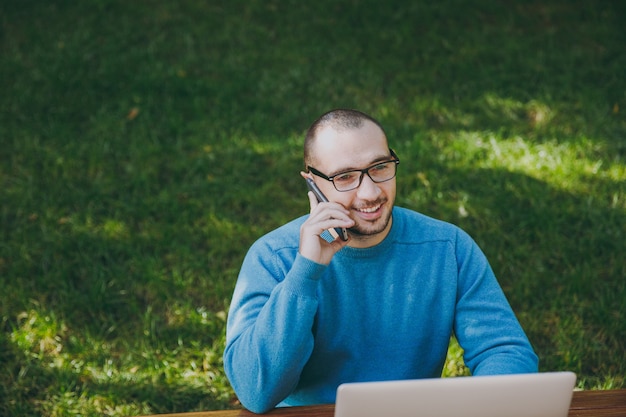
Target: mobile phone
340	231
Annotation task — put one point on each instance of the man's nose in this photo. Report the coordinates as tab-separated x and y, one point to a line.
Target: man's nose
368	190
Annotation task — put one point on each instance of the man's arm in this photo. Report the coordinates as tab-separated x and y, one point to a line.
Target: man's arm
269	334
485	325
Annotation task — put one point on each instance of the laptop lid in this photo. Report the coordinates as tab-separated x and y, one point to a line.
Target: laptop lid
524	395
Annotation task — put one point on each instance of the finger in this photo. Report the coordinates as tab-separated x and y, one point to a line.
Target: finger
330	212
312	200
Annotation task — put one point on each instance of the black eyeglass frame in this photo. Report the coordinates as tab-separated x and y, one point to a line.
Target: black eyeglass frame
363	172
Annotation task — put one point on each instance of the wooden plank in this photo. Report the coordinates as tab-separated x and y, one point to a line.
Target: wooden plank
326	410
610	403
599	399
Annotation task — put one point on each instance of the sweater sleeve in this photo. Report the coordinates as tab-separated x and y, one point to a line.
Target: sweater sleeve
485	325
269	335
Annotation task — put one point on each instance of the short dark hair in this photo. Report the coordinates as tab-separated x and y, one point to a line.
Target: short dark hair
338	119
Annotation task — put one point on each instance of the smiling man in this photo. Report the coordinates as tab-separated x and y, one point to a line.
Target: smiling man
310	311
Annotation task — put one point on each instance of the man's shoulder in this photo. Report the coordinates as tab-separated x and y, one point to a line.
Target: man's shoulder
415	218
417	226
284	237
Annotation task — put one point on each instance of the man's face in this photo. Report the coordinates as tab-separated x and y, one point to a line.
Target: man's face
371	203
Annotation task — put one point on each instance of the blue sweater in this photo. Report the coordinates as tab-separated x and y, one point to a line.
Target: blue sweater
297	329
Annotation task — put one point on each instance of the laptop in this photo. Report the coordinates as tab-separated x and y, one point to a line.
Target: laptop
545	394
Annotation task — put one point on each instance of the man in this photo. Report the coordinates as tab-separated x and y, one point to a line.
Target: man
310	312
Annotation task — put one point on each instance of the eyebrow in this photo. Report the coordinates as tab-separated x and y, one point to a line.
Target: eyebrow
373	162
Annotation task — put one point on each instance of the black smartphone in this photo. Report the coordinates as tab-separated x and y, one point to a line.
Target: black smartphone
341	232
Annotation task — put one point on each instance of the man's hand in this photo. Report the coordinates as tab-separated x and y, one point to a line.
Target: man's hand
323	216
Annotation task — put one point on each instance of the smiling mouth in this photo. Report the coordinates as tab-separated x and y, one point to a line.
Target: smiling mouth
369	209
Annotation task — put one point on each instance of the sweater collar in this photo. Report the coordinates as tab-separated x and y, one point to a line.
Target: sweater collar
375	250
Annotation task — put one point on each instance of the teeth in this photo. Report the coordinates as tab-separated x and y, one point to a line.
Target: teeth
369	210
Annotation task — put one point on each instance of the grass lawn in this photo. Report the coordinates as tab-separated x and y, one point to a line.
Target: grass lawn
147	144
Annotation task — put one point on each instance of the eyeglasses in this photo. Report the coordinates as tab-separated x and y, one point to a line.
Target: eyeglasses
349	180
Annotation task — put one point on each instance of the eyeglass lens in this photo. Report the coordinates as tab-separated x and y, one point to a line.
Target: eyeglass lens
378	173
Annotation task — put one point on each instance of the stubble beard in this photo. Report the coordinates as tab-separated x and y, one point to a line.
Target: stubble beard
365	229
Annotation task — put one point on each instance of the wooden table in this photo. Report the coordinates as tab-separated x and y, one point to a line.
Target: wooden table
610	403
598	403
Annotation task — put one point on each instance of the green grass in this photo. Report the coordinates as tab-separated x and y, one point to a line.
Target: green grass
146	145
